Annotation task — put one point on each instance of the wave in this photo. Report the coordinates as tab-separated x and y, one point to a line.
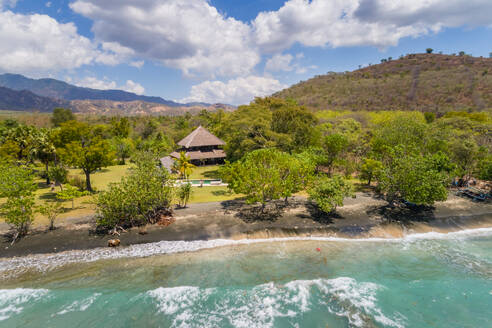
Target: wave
45	262
266	304
12	301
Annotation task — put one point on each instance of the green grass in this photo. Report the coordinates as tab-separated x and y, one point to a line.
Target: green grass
211	194
205	172
83	206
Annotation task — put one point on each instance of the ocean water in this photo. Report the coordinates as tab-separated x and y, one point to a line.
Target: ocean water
422	280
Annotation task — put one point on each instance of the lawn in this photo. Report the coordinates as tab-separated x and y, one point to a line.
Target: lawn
205	172
83	206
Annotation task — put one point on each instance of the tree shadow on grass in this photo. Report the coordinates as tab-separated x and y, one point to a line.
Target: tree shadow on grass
318	215
403	214
48	196
211	174
221	192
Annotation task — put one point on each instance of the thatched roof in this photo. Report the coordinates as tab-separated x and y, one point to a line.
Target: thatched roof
167	162
195	155
200	137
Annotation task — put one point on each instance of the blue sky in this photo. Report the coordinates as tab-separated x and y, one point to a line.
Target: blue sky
226	50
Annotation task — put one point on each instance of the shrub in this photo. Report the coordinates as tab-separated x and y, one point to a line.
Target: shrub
183	193
51	210
140	198
328	193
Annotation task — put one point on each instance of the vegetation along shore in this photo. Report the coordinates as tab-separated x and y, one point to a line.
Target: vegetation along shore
76	181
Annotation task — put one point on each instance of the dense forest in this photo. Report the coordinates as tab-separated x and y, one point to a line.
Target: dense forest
275	149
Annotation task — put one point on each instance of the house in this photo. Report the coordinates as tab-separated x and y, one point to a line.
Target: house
201	147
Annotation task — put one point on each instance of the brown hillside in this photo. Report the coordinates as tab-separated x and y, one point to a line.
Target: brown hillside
425	82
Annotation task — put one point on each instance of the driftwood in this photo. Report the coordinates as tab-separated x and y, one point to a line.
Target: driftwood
114	231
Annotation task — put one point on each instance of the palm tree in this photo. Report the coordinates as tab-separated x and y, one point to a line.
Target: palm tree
183	165
44	150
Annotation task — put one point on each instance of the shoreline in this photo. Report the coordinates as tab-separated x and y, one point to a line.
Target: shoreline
362	217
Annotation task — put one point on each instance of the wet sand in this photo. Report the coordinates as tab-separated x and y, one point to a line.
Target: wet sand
362	217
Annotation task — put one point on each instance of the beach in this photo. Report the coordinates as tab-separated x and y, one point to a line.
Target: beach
364	216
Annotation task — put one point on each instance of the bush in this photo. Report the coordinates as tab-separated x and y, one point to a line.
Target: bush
77	181
328	193
140	198
184	192
17	185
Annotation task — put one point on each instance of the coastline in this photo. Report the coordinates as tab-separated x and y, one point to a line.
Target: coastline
362	217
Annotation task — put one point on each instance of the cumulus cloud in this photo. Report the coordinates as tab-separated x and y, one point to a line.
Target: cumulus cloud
190	35
279	62
106	84
236	91
38	44
379	23
7	3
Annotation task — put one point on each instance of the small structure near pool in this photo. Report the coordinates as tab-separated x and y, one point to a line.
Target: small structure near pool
201	147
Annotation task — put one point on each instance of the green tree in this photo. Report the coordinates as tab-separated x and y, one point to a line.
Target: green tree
140	198
329	193
17	185
120	127
61	115
59	175
45	150
82	146
51	210
429	50
264	175
408	175
184	193
70	193
183	166
334	145
123	148
369	168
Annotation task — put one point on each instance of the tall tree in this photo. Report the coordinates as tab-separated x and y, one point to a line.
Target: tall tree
83	147
61	115
183	166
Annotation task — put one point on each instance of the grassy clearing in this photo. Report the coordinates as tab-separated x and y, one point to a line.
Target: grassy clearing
205	172
83	206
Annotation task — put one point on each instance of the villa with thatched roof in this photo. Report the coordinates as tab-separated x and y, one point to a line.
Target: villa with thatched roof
202	148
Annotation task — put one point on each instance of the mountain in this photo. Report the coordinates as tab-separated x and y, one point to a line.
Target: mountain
426	82
61	90
27	101
137	107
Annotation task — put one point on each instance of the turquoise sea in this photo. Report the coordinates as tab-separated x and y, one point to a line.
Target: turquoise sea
422	280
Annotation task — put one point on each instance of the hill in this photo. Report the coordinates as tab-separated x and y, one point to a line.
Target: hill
27	101
130	108
425	82
61	90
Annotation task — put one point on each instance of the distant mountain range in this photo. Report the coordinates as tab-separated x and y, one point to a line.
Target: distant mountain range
425	82
18	92
27	101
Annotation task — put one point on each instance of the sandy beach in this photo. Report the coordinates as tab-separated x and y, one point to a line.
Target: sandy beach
365	216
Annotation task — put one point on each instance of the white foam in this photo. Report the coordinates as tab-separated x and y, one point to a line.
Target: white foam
13	300
262	305
42	262
81	305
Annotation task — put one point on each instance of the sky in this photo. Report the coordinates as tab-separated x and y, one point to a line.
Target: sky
226	51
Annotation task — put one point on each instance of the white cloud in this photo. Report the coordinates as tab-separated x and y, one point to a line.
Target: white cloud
48	4
379	23
137	63
106	84
237	91
279	62
38	44
7	3
190	35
